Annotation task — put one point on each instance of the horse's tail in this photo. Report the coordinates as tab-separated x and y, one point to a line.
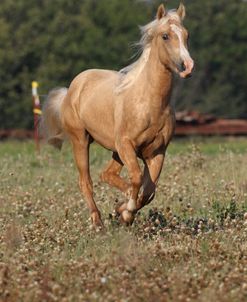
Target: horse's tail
51	126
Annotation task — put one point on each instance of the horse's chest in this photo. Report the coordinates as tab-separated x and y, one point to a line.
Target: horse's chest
158	133
146	126
151	134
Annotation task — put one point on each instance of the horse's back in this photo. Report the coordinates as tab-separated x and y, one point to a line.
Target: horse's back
93	77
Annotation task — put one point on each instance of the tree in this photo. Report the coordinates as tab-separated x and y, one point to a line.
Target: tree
218	45
52	41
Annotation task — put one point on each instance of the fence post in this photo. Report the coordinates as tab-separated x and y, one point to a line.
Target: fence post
36	113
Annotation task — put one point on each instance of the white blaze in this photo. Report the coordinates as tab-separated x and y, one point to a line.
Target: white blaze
183	50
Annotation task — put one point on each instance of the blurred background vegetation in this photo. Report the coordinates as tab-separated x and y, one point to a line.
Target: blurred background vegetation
52	41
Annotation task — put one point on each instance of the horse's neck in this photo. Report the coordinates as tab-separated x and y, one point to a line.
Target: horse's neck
156	80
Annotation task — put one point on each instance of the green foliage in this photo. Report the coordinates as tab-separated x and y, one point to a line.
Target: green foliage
218	44
52	41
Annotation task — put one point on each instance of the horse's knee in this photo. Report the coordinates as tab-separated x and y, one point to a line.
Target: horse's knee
136	178
106	176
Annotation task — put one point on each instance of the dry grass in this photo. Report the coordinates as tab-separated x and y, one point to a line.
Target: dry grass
190	244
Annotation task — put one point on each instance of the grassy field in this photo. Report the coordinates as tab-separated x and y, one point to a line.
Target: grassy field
189	244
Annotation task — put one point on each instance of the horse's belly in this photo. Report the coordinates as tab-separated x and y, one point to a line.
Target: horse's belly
103	138
98	120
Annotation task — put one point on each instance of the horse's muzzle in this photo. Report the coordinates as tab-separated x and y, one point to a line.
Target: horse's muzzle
188	66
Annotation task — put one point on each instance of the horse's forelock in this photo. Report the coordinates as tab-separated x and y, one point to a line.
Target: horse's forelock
148	30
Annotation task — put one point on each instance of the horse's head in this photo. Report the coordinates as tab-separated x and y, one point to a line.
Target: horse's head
172	41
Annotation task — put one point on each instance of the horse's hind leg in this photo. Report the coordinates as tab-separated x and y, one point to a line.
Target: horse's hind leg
111	174
80	141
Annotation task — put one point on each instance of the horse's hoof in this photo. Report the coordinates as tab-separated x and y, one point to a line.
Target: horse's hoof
121	207
127	217
97	222
98	227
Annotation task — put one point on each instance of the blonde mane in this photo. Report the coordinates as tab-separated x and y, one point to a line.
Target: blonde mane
130	73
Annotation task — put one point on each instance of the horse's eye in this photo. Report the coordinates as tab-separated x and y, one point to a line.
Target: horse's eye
165	37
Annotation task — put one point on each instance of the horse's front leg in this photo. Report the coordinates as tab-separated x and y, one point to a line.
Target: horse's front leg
153	167
128	156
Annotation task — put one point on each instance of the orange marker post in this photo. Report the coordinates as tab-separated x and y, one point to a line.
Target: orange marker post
36	113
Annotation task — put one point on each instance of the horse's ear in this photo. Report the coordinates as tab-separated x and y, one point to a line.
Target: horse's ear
181	11
161	12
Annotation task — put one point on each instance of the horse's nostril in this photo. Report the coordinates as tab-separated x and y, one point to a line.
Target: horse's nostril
181	67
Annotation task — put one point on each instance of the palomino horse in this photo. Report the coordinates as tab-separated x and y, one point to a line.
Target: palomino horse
127	112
